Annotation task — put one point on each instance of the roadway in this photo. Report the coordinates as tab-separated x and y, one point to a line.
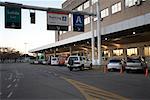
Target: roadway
22	81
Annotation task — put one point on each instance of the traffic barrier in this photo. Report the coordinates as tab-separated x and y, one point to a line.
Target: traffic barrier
105	69
146	72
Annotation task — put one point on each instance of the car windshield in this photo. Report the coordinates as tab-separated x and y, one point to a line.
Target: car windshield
114	61
74	58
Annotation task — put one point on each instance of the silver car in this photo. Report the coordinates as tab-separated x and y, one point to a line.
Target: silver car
115	64
135	64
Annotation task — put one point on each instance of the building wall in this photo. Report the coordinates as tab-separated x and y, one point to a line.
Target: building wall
126	13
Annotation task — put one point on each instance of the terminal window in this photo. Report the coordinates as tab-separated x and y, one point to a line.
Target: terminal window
147	51
132	52
118	52
94	1
80	8
129	3
104	13
116	8
86	4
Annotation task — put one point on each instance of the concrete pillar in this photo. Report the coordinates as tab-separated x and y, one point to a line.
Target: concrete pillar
111	52
55	52
141	51
70	50
124	52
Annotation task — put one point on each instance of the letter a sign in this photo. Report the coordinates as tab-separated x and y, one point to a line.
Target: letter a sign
78	22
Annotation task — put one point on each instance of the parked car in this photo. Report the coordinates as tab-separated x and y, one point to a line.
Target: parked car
35	62
44	62
80	62
54	61
135	64
116	64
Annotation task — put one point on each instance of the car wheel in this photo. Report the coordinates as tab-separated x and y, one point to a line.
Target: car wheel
90	66
82	68
70	69
127	71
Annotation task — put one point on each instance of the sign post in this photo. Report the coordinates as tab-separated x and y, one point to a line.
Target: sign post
12	17
78	22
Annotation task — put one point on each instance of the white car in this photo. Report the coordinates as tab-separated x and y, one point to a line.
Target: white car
80	62
44	62
115	64
54	61
135	64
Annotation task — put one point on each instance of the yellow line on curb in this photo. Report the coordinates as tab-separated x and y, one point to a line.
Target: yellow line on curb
93	93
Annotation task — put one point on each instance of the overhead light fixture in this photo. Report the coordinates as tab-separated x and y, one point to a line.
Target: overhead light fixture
88	42
133	33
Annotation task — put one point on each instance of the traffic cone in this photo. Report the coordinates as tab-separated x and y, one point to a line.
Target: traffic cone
121	70
146	72
105	69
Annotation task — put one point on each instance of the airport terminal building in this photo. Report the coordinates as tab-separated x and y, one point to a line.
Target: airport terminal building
125	31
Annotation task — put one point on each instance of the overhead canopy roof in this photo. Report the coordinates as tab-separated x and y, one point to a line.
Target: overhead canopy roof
118	27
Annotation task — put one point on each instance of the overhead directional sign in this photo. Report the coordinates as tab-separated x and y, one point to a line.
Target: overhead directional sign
12	17
78	22
57	21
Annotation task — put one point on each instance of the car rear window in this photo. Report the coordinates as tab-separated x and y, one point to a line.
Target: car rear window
54	59
73	58
114	61
133	60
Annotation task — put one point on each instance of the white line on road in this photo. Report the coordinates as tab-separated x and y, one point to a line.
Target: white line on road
9	86
10	94
49	72
14	80
0	93
18	80
55	74
16	85
10	77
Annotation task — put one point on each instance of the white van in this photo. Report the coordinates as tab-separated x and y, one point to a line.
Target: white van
80	62
54	61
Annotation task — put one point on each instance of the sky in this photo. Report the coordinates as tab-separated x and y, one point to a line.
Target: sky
34	35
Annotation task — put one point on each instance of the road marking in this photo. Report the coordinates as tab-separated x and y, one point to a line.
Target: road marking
93	93
14	80
55	74
49	72
10	94
16	85
18	80
0	93
9	86
10	77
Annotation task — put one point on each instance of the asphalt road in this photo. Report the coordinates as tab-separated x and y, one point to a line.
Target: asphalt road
43	82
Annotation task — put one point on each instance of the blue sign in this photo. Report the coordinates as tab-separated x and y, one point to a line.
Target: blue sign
78	22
